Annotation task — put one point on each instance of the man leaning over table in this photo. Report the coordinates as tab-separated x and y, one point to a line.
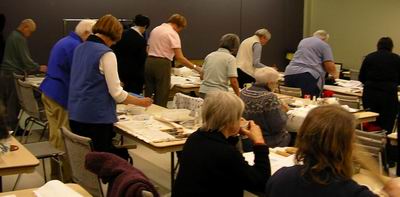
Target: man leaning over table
311	61
249	56
164	45
56	84
16	59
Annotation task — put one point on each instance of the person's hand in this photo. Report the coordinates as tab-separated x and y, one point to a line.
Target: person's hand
253	132
392	187
198	69
284	106
335	75
145	102
43	68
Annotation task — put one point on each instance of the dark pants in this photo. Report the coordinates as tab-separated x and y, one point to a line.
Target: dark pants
158	79
305	81
133	84
382	102
398	147
101	135
8	97
244	78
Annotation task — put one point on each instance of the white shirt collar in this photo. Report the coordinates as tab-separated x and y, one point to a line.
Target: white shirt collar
136	28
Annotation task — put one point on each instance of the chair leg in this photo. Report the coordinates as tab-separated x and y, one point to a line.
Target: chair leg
57	158
43	131
27	134
19	119
44	171
16	182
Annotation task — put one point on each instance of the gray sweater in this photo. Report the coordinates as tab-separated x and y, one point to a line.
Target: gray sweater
263	107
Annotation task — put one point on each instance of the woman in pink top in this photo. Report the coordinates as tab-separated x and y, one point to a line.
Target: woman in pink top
164	44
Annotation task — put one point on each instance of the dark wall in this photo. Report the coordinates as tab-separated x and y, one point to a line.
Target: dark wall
208	20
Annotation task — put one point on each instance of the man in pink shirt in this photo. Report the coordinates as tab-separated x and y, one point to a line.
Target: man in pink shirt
164	45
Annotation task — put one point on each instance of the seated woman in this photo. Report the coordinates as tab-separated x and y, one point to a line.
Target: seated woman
211	165
219	68
264	107
324	158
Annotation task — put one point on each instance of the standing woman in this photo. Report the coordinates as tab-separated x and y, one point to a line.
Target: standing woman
95	87
164	45
219	68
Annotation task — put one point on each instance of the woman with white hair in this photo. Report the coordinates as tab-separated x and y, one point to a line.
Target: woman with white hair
211	165
249	56
219	68
264	107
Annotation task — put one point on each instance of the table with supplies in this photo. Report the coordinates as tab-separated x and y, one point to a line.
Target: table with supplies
184	80
346	87
34	81
300	108
17	161
155	127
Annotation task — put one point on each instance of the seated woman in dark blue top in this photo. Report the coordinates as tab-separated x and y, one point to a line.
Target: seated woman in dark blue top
211	165
324	158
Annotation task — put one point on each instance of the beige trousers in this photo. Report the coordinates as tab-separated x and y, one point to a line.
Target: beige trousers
57	117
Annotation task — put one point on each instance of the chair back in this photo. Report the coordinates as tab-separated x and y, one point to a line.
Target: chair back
76	148
16	77
182	101
373	143
351	101
29	104
296	92
123	178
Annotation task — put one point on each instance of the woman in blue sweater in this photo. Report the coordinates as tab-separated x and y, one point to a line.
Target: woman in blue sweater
95	87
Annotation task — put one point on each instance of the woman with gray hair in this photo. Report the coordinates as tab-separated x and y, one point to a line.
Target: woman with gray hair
210	163
264	107
219	68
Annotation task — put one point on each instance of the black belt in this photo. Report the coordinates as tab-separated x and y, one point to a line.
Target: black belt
164	58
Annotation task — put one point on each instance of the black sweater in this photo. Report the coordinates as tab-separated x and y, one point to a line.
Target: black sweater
131	55
212	166
288	182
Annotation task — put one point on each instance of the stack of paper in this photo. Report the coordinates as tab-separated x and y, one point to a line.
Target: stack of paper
56	188
147	130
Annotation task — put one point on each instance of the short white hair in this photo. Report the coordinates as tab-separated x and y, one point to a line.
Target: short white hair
263	32
220	110
321	34
84	26
266	75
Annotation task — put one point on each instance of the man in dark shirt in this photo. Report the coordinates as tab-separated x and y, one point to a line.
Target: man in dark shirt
16	59
131	55
380	74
